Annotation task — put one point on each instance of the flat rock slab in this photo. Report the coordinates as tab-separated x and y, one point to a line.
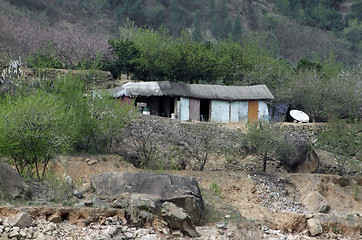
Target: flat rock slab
182	191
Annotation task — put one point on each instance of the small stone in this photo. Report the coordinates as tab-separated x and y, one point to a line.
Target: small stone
141	232
55	218
22	233
150	237
177	233
129	235
78	194
14	234
221	225
111	231
50	227
166	231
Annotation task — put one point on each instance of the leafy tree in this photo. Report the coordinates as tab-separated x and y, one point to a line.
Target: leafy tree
263	138
33	128
356	9
125	52
196	62
231	62
306	64
196	34
342	140
176	18
237	30
228	28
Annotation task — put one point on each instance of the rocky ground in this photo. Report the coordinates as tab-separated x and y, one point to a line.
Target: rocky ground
238	205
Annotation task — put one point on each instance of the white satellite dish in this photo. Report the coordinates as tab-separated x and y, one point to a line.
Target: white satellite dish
299	116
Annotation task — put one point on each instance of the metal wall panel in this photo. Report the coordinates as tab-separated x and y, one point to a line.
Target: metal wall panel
234	112
220	111
263	112
184	109
239	112
243	112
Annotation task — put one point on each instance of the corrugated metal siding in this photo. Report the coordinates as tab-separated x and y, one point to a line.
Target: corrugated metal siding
184	109
234	112
220	111
239	112
263	112
243	111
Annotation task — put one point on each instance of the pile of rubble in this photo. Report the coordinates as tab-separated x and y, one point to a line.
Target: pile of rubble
274	194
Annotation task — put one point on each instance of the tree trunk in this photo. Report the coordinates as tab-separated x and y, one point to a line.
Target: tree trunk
265	157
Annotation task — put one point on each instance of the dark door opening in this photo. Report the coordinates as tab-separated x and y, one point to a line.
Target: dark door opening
204	110
166	106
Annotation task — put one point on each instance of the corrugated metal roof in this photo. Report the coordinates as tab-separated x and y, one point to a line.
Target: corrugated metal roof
202	91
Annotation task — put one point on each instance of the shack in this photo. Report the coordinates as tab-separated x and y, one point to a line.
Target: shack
198	102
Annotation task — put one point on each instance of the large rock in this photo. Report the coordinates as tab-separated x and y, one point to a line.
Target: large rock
177	218
182	191
21	220
302	158
314	226
315	202
12	184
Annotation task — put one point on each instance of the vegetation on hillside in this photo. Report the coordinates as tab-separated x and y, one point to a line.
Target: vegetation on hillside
307	53
45	118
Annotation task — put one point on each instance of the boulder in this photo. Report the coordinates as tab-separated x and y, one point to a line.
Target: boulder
314	226
177	218
315	202
21	220
12	184
182	191
302	158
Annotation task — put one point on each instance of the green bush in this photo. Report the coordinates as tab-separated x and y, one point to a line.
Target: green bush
43	60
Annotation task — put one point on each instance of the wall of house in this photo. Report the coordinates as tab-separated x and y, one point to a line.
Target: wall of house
220	111
239	112
263	112
184	111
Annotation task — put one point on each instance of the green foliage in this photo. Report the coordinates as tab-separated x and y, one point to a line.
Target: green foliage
195	62
33	129
263	137
125	52
43	60
215	189
306	64
324	93
321	14
356	9
196	34
342	140
55	117
237	29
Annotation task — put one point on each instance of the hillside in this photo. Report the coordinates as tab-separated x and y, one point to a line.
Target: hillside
289	32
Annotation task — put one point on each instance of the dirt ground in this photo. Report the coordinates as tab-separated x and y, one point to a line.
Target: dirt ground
245	192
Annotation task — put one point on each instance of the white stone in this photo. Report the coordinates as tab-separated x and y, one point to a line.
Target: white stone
14	234
150	237
142	231
314	226
129	235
